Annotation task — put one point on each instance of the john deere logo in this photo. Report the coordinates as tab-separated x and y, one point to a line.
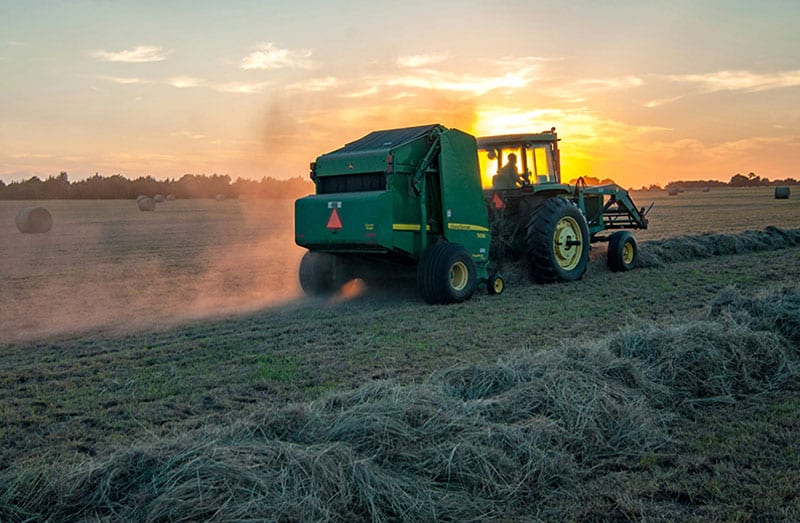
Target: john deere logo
350	165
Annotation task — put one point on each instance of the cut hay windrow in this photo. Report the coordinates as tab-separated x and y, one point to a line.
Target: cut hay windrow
656	253
519	439
777	310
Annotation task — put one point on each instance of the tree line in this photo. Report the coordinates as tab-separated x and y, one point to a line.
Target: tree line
737	180
117	187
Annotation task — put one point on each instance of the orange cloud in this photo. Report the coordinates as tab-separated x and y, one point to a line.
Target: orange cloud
740	80
182	82
716	81
125	80
139	54
242	87
420	60
268	56
316	84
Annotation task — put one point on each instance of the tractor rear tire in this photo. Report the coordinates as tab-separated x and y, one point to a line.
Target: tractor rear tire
446	274
317	273
557	242
622	251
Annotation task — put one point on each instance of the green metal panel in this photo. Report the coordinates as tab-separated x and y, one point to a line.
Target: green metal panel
464	216
366	222
407	221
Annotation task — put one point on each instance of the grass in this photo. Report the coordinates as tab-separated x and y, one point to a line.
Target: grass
276	368
505	440
210	368
148	402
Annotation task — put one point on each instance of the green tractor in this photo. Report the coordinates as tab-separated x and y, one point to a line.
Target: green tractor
411	201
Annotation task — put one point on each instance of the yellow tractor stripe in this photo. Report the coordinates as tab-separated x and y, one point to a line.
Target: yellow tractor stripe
466	227
451	226
409	227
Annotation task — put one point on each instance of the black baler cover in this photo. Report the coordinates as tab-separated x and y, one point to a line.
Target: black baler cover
378	140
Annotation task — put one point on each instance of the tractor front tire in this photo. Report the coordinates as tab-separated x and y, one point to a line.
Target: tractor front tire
557	242
622	251
446	274
317	273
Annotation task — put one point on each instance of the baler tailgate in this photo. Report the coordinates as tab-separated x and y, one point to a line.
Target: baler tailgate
360	222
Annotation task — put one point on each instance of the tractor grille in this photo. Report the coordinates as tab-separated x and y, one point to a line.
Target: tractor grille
351	183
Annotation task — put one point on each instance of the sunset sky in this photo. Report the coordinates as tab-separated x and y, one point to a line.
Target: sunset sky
642	92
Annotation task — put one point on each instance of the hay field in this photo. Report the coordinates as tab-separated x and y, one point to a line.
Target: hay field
723	210
107	265
666	393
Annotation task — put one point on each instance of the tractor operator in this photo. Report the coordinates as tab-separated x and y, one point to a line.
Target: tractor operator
507	177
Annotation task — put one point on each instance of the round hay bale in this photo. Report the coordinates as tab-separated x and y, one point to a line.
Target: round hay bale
220	197
146	204
782	192
34	220
141	196
706	189
672	191
158	198
170	197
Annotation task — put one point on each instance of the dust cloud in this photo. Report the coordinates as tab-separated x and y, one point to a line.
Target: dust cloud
107	267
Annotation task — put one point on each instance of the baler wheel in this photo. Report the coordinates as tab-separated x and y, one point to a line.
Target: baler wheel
622	251
557	242
317	273
446	274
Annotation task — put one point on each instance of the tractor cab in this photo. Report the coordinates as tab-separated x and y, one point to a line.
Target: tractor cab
519	160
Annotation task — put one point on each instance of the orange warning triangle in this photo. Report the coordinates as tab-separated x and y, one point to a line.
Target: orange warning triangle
498	201
334	222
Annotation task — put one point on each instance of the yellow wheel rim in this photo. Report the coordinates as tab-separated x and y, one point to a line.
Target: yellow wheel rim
627	253
459	276
498	285
567	233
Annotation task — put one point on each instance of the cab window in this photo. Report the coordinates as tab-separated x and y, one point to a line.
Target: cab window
539	164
